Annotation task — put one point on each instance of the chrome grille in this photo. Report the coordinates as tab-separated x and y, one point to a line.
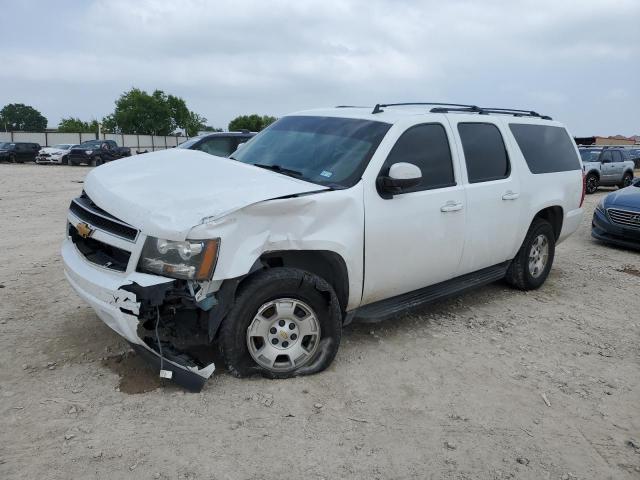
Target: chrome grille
624	217
86	210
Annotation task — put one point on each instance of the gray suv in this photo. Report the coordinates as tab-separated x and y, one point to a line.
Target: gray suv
605	166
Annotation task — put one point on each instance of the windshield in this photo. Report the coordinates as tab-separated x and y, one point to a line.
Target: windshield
91	144
323	150
589	155
189	143
62	146
4	146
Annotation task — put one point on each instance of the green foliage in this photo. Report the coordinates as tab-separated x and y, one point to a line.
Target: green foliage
151	114
20	117
253	123
209	128
74	125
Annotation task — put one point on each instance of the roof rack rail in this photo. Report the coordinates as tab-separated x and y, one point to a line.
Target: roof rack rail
458	107
379	106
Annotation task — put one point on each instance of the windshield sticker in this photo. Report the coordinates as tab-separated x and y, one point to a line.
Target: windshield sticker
326	174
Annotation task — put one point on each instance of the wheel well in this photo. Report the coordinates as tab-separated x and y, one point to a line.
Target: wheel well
594	172
554	216
326	264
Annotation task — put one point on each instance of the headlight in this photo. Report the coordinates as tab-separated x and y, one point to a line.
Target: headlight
88	152
189	260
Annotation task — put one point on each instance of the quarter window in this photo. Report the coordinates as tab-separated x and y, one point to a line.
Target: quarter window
427	147
548	149
617	156
484	152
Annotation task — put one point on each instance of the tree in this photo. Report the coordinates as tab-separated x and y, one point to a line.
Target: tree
253	123
75	125
21	117
209	128
151	114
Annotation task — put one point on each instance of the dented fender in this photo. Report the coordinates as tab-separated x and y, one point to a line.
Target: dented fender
326	220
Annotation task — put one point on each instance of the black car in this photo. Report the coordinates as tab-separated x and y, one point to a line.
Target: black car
616	219
221	144
634	154
19	152
97	152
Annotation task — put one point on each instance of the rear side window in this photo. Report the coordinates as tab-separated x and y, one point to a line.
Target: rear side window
546	148
427	147
484	152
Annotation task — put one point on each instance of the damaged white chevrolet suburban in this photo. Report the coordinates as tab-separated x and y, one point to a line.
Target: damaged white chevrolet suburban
325	217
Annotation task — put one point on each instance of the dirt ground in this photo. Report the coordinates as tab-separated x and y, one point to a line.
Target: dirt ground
457	392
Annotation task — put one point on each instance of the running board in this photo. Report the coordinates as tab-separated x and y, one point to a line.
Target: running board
391	307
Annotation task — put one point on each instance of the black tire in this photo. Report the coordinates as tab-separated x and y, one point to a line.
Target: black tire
627	178
12	159
64	160
272	284
591	183
96	161
518	273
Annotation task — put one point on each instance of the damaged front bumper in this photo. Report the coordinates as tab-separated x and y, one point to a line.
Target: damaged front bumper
117	299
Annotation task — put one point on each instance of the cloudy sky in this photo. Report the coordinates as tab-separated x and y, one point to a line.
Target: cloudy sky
578	61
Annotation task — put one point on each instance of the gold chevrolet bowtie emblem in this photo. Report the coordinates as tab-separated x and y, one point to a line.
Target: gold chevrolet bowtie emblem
284	335
84	230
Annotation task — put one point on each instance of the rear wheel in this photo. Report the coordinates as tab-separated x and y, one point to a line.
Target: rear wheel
591	183
12	159
64	160
627	178
285	323
531	265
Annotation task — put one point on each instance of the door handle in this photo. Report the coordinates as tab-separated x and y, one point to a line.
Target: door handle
510	195
451	206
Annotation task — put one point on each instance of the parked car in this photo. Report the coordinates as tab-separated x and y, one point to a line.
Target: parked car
18	152
606	167
97	152
221	144
616	219
57	154
325	217
634	154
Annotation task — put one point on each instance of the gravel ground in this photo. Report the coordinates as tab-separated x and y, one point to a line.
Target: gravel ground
494	384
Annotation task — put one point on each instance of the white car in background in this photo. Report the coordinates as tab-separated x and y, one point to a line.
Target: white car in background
57	154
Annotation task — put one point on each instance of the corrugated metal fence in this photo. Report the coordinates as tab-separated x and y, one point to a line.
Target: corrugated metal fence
137	143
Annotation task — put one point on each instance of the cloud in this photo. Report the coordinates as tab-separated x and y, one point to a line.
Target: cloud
226	58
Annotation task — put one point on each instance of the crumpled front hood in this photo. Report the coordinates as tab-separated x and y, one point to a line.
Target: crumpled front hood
625	197
167	193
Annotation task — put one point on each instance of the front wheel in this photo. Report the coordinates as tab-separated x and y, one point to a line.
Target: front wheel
591	183
285	322
96	161
627	178
531	265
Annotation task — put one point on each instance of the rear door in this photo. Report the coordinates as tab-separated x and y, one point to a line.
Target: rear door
415	239
493	194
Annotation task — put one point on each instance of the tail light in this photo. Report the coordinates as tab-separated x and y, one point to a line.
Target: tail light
584	188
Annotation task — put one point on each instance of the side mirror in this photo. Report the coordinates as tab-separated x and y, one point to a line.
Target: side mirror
401	176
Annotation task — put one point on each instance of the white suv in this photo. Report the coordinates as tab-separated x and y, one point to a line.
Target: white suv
325	217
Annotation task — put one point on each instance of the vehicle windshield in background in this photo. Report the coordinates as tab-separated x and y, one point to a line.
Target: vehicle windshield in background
63	146
4	146
189	143
91	143
590	155
324	150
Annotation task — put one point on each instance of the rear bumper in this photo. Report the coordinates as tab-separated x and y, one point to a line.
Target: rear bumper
603	229
118	309
570	224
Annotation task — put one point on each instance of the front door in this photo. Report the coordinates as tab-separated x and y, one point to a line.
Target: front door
607	171
415	239
493	196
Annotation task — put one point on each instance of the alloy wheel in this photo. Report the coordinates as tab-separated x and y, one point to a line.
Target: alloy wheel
283	335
